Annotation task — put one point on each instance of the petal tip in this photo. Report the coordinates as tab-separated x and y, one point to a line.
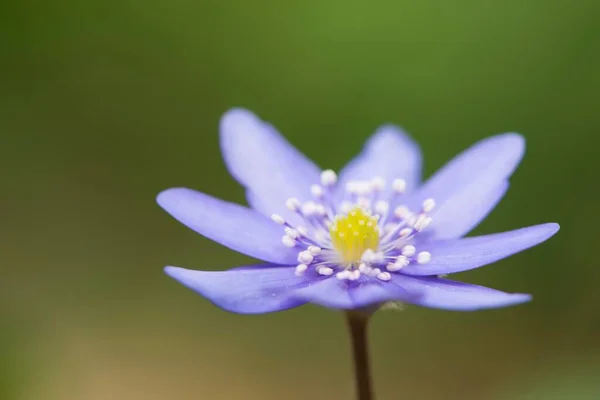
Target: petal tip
166	198
236	117
551	228
174	272
514	140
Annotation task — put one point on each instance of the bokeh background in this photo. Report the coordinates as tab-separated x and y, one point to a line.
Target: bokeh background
105	103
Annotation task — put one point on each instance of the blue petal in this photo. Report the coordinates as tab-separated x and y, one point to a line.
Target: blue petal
333	293
456	296
470	185
449	256
234	226
248	290
270	168
389	153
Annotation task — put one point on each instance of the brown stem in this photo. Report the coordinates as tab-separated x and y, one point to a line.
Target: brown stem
357	324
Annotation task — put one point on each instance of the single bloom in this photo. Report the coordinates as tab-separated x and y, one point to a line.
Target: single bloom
372	234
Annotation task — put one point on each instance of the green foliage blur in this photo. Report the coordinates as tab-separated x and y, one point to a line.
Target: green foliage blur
104	103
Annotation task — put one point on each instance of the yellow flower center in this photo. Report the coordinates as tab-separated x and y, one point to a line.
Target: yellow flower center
353	234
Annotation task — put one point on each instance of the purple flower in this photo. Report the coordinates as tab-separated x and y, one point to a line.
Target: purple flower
371	235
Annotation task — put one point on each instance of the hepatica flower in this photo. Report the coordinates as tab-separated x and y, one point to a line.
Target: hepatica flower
372	234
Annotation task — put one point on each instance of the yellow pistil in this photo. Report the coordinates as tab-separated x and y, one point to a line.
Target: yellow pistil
353	234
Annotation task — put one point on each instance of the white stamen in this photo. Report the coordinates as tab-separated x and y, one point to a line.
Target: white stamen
309	208
314	250
325	271
382	207
345	274
278	219
354	275
316	191
368	256
384	276
424	257
377	184
390	226
422	222
401	212
374	272
405	232
363	202
291	233
345	207
293	204
305	257
399	185
409	250
300	269
328	177
428	205
364	268
400	263
359	188
302	230
288	241
320	209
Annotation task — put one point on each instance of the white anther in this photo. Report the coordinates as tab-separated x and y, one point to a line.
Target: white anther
405	232
363	188
363	202
368	256
278	219
411	219
302	230
409	250
314	250
293	204
422	222
345	274
309	208
325	271
300	269
399	185
392	267
354	275
424	257
390	226
320	209
345	207
378	257
401	212
364	268
402	261
397	265
328	177
292	233
288	241
428	205
305	257
384	276
378	184
359	188
374	272
316	191
382	207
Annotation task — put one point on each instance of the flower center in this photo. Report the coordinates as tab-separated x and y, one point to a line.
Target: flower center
367	234
353	234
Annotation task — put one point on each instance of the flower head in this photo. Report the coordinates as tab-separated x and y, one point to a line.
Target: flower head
371	235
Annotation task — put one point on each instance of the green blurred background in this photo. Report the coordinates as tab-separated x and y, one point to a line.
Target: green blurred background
103	104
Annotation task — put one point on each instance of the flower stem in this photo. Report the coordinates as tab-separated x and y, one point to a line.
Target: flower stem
357	324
